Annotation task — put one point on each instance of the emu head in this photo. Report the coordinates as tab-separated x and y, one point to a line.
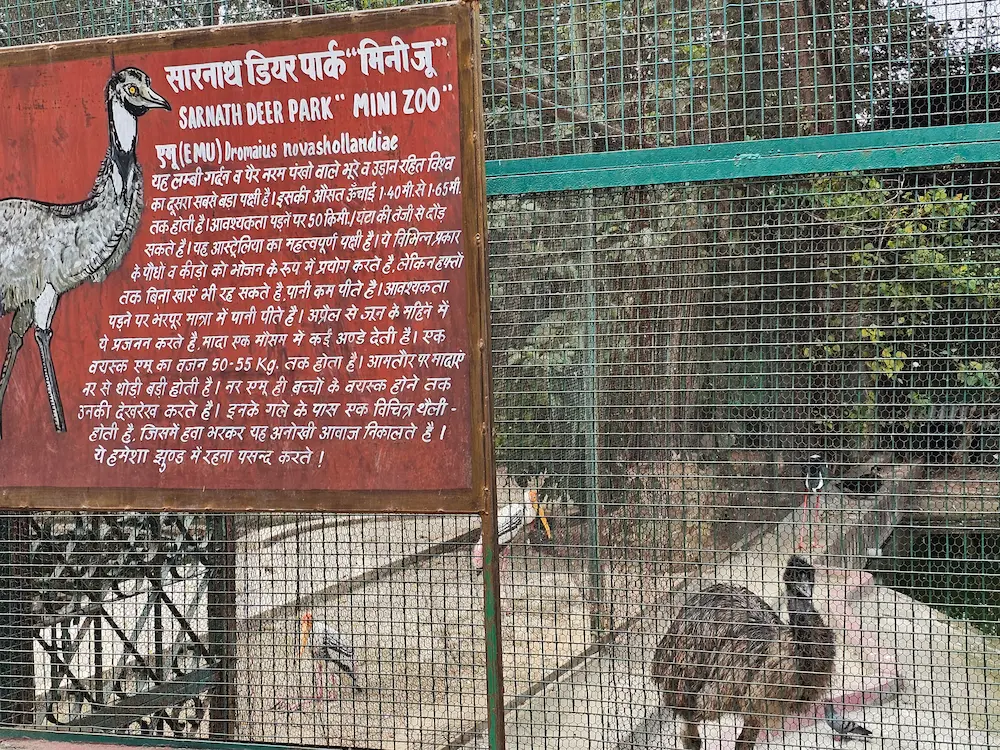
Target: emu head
799	577
131	87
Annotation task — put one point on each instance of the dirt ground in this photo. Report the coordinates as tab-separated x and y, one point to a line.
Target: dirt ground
420	653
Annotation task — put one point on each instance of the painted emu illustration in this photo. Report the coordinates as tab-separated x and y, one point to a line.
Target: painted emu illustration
727	652
48	249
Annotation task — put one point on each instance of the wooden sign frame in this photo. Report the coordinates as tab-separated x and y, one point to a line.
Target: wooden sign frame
477	498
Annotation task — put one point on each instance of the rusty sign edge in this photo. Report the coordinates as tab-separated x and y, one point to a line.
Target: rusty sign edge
360	501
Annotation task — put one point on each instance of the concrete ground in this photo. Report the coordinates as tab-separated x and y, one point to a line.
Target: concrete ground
915	678
912	676
417	632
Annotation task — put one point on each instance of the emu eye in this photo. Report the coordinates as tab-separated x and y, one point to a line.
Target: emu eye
133	90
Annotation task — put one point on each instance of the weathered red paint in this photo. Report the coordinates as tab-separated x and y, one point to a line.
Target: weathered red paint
54	135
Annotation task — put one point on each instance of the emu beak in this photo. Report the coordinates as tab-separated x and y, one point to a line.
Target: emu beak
153	100
541	513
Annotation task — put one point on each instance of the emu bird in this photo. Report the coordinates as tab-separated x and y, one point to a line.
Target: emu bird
511	519
327	648
727	652
816	471
48	249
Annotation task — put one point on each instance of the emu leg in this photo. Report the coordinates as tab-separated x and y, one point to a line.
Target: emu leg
45	309
44	338
748	737
13	347
18	327
690	738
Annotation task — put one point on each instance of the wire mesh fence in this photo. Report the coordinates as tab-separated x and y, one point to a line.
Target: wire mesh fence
712	339
770	368
319	630
667	360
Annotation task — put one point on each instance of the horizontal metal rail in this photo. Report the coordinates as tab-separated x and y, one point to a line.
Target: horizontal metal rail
779	157
88	740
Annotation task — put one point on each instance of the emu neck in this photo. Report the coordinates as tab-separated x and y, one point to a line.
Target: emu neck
122	127
802	615
812	639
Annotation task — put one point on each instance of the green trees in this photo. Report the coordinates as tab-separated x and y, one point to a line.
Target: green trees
922	276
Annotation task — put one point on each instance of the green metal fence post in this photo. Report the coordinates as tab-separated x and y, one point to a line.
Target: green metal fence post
590	418
578	47
491	614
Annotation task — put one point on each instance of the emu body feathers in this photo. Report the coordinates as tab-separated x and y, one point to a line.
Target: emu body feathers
728	652
63	246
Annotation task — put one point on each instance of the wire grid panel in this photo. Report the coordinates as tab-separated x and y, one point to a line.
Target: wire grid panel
713	339
667	359
400	594
585	76
328	630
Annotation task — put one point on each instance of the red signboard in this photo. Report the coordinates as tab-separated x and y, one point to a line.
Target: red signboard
247	261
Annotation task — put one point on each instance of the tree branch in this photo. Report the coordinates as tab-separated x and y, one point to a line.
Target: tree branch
298	7
562	114
545	106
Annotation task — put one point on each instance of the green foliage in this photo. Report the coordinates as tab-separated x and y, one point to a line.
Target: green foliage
538	369
958	574
917	268
974	374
